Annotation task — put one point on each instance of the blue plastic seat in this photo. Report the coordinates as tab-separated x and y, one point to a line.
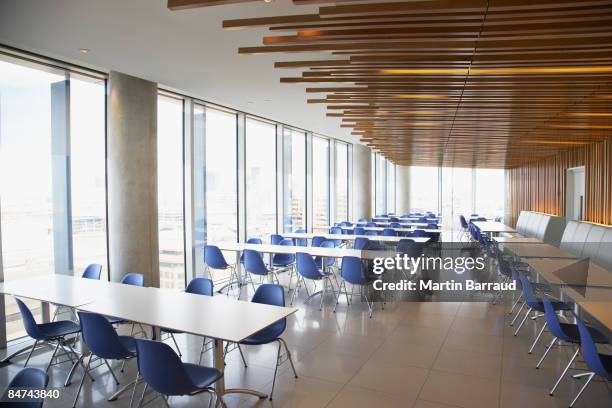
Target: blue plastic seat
370	224
371	233
104	343
284	260
275	239
92	271
254	265
256	241
163	371
352	271
358	231
419	233
274	295
360	243
300	241
28	378
336	230
54	332
308	269
599	364
214	260
317	240
408	247
389	232
329	261
134	279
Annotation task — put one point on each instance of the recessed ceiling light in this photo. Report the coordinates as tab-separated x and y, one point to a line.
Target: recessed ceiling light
84	50
268	1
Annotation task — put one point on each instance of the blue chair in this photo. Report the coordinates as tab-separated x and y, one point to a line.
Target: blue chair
300	241
567	332
336	230
284	260
358	231
28	378
393	219
271	295
47	333
308	269
599	364
389	232
419	233
329	261
197	286
360	243
134	279
103	343
254	265
395	224
275	239
352	272
371	233
370	224
317	240
255	241
214	259
92	271
408	247
362	219
165	373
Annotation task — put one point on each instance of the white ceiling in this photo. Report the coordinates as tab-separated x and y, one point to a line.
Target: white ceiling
185	50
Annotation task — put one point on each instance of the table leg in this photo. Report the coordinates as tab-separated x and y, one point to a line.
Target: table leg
220	384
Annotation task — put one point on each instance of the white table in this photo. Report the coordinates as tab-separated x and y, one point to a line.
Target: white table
350	237
393	228
517	240
218	318
494	227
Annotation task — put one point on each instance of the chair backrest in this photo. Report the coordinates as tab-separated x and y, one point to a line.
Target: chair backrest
358	231
29	323
256	241
419	233
370	224
29	378
162	369
300	231
553	320
329	261
253	263
134	279
389	232
528	293
395	224
335	230
370	232
284	259
307	267
100	336
317	240
92	271
200	286
393	219
410	248
362	219
352	270
589	352
300	241
432	226
271	294
213	257
480	219
360	243
275	239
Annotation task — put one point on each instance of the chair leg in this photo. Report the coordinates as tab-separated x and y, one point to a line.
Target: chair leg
522	321
176	345
134	389
202	350
323	292
218	399
552	343
242	356
142	395
537	338
565	371
275	369
76	398
518	313
52	356
590	375
111	371
30	353
516	302
289	356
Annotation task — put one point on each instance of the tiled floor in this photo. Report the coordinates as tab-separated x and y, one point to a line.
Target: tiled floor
420	355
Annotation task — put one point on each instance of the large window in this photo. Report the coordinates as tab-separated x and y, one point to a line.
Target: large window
489	192
320	182
342	181
456	195
88	186
294	179
260	178
170	192
424	189
380	184
390	187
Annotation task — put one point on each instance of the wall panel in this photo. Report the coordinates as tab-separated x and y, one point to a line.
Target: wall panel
540	186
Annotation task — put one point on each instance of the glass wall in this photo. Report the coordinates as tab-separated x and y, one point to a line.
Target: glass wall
424	189
170	192
456	195
342	176
390	171
260	178
294	179
88	169
489	192
320	182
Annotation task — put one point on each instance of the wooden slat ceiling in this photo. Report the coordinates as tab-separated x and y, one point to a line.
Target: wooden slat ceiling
466	83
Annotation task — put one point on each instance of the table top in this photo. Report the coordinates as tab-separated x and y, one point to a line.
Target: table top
493	226
594	297
393	228
315	251
349	237
527	250
212	316
517	240
65	290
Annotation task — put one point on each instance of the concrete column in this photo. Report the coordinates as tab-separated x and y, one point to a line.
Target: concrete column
402	189
362	183
132	178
